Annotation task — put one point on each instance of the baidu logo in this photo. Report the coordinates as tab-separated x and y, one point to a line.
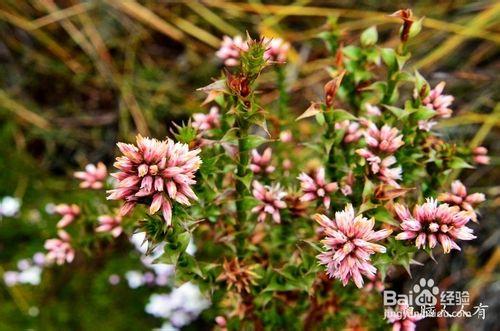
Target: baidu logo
426	293
422	299
423	294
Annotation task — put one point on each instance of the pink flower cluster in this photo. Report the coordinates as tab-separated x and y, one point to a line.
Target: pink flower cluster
204	122
480	155
93	176
439	102
270	201
155	172
382	143
433	223
111	224
231	48
352	132
349	243
60	249
315	187
261	163
404	318
277	50
459	197
68	213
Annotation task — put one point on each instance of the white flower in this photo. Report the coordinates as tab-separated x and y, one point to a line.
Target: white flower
159	305
9	206
180	307
11	278
134	278
32	275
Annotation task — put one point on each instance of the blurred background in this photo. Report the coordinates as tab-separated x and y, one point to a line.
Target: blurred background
78	76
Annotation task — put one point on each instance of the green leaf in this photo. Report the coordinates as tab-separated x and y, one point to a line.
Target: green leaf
459	163
175	248
252	141
246	180
389	58
424	113
320	119
415	28
369	37
398	112
188	263
340	115
382	215
352	52
421	84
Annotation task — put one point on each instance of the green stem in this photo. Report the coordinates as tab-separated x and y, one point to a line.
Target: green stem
242	170
329	134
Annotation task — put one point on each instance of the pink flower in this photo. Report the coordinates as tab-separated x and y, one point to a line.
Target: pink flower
93	177
277	50
480	155
111	224
385	140
372	110
230	49
426	125
68	213
375	282
390	175
261	163
432	223
271	202
438	101
59	249
155	173
404	319
347	183
383	167
352	132
316	187
459	197
349	243
204	122
286	136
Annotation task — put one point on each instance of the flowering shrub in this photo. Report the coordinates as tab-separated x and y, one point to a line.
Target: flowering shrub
288	223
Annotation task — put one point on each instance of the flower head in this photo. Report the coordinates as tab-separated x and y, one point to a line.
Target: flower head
270	198
277	50
68	213
348	244
59	249
352	132
384	140
459	197
372	110
404	319
315	187
230	50
204	122
93	176
382	167
480	155
261	163
111	224
433	223
155	173
438	101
